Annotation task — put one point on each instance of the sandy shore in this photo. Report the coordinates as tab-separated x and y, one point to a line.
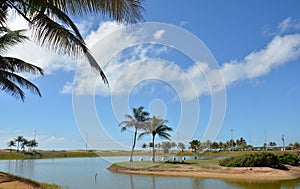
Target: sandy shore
8	181
255	174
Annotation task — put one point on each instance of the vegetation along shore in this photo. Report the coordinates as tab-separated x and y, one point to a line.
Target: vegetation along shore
259	166
12	181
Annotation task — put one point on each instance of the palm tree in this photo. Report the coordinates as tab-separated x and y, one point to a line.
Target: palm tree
156	126
19	139
144	146
10	144
137	121
32	144
24	143
10	81
181	146
52	27
195	145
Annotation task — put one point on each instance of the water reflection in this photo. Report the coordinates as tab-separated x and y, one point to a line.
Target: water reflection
131	181
91	173
290	184
197	183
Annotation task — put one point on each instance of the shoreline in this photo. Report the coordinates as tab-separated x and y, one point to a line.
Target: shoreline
8	180
239	173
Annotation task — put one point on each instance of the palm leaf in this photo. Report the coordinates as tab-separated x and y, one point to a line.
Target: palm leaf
143	133
124	11
18	65
11	88
10	38
6	76
56	37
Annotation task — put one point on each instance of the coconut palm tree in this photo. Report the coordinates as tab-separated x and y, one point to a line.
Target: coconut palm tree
19	139
10	144
32	144
24	143
195	145
156	126
52	27
137	121
10	81
181	146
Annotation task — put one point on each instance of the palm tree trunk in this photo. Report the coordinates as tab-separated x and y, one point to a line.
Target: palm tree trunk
153	152
133	146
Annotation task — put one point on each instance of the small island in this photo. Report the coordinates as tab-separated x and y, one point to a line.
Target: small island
274	170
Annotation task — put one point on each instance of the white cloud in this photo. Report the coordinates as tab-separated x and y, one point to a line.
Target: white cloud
55	139
284	25
289	25
279	51
158	34
129	68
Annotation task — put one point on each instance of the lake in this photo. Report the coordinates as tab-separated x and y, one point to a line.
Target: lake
91	173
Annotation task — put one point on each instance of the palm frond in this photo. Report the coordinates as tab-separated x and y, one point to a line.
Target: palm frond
165	136
3	17
144	133
58	38
5	75
10	38
127	116
124	11
123	129
18	65
11	88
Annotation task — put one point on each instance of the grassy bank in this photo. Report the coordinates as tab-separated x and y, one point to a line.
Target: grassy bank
41	154
209	168
12	181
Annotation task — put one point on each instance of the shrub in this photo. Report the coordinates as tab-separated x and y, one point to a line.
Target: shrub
288	158
252	160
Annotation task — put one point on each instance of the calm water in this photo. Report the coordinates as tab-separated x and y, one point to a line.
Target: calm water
79	173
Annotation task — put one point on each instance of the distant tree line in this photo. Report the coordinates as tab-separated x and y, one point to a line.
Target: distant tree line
166	146
21	143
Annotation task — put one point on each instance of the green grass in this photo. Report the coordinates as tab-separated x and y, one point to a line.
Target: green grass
188	164
138	164
209	167
5	154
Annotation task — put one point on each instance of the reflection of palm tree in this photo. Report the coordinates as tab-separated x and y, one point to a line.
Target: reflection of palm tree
153	183
10	81
131	181
197	183
137	121
53	28
156	126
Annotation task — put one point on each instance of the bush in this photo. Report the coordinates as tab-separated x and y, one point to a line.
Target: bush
288	158
252	160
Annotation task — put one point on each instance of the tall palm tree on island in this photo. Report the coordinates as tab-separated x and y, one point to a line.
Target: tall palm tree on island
52	27
19	140
156	126
24	143
10	144
137	121
10	81
32	144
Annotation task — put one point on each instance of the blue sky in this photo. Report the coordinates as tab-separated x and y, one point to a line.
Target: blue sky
255	43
